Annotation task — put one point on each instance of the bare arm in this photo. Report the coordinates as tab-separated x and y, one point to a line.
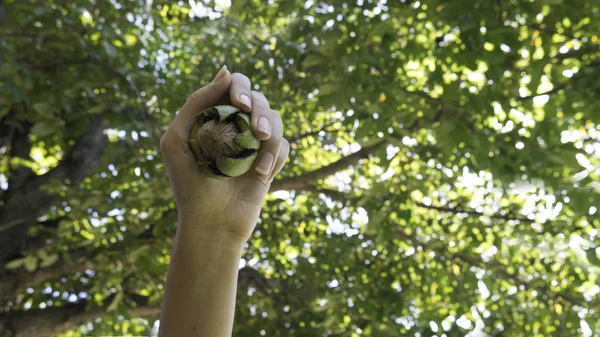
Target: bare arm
201	286
216	217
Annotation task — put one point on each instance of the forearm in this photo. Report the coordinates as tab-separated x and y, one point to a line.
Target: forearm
201	283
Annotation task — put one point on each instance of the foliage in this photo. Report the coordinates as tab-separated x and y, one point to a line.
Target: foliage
444	172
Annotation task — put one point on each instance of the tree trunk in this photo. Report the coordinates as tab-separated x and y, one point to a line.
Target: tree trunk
25	200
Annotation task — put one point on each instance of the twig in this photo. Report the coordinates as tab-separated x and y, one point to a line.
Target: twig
506	217
562	85
315	132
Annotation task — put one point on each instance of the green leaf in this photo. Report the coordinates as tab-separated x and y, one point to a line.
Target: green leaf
88	235
93	201
592	256
115	302
45	128
44	109
135	255
328	89
238	7
98	109
49	260
14	264
312	60
31	263
4	111
330	321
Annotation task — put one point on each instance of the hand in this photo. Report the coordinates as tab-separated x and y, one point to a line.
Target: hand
233	205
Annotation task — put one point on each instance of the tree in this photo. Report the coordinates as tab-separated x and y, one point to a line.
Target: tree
444	172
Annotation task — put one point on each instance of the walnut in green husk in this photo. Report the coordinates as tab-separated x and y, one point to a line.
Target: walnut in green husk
222	142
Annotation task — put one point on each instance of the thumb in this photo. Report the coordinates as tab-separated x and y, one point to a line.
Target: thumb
203	98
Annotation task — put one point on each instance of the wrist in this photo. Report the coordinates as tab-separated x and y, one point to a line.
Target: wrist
214	234
207	249
230	228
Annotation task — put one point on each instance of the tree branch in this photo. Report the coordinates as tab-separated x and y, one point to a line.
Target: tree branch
331	193
83	156
577	53
562	85
74	261
8	127
54	320
306	179
20	147
459	210
495	267
416	93
251	277
549	92
15	282
314	132
342	196
2	12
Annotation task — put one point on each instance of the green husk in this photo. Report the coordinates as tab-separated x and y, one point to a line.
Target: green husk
245	144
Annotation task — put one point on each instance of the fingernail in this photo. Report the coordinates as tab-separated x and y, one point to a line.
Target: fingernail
264	163
264	126
245	100
220	74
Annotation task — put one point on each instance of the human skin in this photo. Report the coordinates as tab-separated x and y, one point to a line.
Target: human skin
215	217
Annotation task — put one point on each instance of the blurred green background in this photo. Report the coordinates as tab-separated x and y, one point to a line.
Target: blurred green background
444	175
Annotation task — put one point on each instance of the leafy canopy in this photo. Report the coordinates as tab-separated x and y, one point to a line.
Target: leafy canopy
443	179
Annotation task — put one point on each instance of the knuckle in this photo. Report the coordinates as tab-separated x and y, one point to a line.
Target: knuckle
277	126
276	117
277	137
165	143
196	94
260	99
239	77
258	94
284	149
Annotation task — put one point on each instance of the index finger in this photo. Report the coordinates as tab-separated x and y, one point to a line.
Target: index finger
201	99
